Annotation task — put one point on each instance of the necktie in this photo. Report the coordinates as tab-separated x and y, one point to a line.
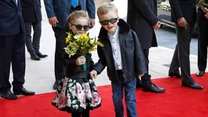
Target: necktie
74	3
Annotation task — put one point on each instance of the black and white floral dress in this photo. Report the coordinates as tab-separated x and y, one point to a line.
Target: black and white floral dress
77	93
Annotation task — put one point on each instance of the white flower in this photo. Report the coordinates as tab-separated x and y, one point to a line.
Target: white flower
76	36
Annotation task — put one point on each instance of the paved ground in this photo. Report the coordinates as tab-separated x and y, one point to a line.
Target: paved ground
40	74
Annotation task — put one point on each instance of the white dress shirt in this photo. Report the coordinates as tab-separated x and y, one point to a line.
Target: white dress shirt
114	40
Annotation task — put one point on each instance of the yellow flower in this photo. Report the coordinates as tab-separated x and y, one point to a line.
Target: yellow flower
68	37
199	4
84	36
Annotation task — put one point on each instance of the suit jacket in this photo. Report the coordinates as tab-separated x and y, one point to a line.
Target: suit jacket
11	19
31	10
142	16
183	8
61	9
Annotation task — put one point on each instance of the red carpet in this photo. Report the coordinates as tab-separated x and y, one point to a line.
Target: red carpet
177	101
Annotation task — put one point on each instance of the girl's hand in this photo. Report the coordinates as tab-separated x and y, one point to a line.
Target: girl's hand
80	60
93	74
206	15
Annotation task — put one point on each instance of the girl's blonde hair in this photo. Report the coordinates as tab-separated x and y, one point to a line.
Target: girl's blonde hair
105	8
77	14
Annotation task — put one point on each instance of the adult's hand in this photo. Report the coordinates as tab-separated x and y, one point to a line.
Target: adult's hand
92	22
182	22
157	25
53	21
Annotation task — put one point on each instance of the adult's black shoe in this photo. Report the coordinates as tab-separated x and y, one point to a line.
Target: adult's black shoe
8	95
22	91
193	85
200	73
177	75
35	57
56	84
153	88
139	84
41	55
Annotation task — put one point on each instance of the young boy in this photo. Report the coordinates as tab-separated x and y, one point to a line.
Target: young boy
123	57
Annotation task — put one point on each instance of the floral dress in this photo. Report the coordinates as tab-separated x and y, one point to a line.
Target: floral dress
76	95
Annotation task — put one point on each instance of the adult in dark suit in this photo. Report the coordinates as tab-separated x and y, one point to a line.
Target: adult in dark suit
58	12
142	17
202	24
183	14
12	49
31	10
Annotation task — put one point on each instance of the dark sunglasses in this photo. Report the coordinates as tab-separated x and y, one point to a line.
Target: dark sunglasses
80	27
106	22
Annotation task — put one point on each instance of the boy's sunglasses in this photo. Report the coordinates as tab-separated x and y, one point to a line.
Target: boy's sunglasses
106	22
80	27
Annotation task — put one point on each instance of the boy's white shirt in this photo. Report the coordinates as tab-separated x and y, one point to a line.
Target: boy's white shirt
114	40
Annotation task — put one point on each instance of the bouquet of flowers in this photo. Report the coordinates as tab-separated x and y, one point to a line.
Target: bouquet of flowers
199	4
80	44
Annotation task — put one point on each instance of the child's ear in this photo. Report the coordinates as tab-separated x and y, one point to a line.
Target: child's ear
70	25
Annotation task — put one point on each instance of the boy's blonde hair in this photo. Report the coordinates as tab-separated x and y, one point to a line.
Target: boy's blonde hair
77	14
105	8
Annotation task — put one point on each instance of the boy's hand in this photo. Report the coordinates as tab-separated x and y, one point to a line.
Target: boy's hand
93	74
140	75
80	61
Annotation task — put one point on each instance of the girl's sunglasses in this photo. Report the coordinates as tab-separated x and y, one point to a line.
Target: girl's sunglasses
106	22
80	27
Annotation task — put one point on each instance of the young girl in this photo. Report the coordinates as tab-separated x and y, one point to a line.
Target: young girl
77	93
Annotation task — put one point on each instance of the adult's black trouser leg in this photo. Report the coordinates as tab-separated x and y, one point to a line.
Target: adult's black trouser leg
60	35
12	49
146	79
182	52
18	62
174	66
202	41
28	38
36	36
33	42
